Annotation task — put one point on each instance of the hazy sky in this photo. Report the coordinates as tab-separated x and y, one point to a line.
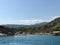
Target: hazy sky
28	11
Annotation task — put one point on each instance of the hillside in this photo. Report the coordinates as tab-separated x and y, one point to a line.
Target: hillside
53	25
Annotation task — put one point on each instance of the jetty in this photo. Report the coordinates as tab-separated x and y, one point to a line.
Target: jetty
56	33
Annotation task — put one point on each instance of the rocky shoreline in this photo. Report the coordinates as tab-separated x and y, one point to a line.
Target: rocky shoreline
55	33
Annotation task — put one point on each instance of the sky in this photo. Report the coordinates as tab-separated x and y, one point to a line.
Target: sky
28	11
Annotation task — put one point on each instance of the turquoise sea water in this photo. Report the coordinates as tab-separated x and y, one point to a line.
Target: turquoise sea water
30	40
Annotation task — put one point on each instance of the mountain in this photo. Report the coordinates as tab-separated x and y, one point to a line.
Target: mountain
41	24
16	26
45	27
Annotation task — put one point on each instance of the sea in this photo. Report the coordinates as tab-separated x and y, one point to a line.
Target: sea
30	40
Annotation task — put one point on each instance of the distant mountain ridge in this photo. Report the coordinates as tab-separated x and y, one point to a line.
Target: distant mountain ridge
41	24
16	26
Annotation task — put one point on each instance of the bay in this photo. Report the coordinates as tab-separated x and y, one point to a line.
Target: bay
30	40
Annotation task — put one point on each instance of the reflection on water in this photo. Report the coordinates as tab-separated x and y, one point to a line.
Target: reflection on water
30	40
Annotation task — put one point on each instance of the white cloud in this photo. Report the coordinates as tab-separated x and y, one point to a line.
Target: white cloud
27	22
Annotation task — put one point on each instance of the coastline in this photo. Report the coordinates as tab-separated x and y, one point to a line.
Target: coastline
5	35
